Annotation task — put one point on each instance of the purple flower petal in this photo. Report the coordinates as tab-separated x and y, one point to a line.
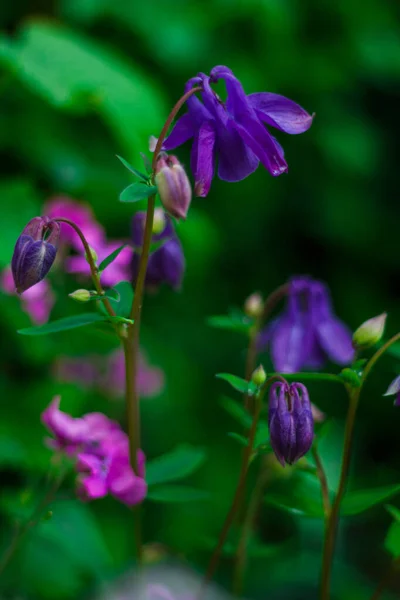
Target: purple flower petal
263	145
65	428
394	387
182	132
235	159
203	158
280	112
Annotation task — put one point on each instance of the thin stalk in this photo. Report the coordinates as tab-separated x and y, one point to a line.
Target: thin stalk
386	579
93	269
246	457
326	502
332	522
21	531
131	342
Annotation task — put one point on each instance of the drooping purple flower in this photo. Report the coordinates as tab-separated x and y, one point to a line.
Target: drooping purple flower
167	263
307	332
394	390
234	131
290	421
34	252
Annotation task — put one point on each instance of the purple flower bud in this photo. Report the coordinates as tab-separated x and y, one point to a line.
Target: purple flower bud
394	390
173	186
167	263
34	252
290	421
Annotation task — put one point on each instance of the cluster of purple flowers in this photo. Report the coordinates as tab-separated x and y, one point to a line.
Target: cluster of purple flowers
101	452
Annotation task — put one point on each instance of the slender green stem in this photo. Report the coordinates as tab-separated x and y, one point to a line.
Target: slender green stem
246	457
386	579
326	502
93	269
21	531
332	522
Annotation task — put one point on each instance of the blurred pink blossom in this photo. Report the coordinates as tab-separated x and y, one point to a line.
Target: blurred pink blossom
107	373
118	270
81	215
37	301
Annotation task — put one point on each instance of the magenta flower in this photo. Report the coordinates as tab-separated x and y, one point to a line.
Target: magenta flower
234	130
118	270
167	263
307	332
37	301
81	215
113	475
290	421
101	450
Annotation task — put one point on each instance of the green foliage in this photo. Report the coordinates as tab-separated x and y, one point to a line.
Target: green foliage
174	465
176	493
136	192
111	257
64	324
239	384
235	321
135	172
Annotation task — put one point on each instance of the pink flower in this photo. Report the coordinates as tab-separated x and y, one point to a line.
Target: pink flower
37	301
118	270
101	449
111	475
81	215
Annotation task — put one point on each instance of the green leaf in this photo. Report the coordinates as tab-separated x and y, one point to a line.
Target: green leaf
302	496
350	377
237	411
176	493
233	322
136	192
358	501
137	173
392	540
122	303
239	384
392	510
147	163
111	257
64	324
174	465
239	438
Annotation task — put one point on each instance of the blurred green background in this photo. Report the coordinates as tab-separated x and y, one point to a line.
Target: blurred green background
84	80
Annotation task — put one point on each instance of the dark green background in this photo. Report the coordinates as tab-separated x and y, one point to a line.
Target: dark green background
83	80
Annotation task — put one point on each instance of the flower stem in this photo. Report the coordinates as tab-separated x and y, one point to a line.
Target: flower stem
332	521
21	531
247	453
93	269
326	502
386	579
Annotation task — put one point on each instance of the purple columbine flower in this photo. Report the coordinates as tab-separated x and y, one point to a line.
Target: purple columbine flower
234	130
394	390
34	252
290	421
307	332
167	263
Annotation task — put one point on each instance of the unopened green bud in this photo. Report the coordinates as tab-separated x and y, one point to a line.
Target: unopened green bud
158	221
93	254
259	376
80	295
370	332
254	305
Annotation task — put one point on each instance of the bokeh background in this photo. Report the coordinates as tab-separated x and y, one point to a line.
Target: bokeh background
84	80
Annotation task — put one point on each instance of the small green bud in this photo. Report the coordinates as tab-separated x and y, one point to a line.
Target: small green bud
80	295
350	377
93	254
370	332
158	221
254	305
259	376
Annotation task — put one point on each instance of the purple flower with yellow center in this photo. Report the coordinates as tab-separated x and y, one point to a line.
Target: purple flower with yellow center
290	421
34	252
166	263
233	131
394	390
307	332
